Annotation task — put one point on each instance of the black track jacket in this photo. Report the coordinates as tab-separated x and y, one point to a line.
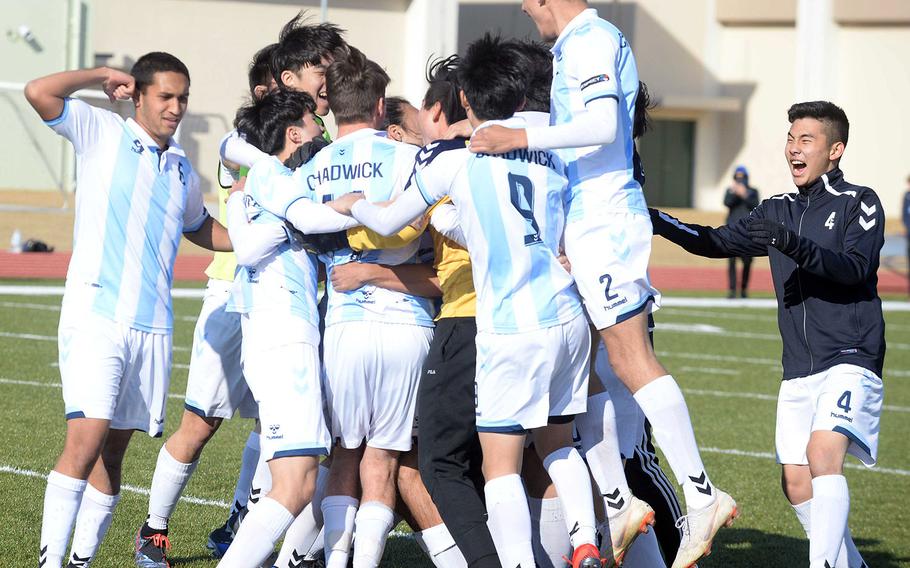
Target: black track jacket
828	309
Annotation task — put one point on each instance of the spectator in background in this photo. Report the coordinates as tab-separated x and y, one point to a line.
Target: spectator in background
740	199
905	215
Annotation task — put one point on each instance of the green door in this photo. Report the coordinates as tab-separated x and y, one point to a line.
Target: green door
667	155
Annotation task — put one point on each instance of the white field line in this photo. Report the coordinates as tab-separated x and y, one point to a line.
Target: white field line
717	315
56	385
767	455
56	308
710	370
16	290
33	337
127	488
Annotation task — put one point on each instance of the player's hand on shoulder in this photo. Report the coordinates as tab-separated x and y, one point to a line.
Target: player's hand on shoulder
344	203
498	140
118	85
564	261
350	276
461	129
238	186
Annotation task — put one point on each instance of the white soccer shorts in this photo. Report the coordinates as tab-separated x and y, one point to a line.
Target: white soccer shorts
845	399
216	387
630	420
525	378
609	255
113	372
372	370
285	379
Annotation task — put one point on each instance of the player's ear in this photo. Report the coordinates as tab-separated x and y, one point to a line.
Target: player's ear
464	101
287	78
260	91
294	134
436	111
836	151
396	133
380	107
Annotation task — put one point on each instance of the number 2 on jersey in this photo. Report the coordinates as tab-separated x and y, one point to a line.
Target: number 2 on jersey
521	192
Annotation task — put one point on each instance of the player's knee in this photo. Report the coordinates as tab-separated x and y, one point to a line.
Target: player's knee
797	488
378	469
197	429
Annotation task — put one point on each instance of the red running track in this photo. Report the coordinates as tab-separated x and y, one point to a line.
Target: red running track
192	268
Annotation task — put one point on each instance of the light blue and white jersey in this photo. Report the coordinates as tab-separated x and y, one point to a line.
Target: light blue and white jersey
511	208
132	205
593	60
367	161
284	281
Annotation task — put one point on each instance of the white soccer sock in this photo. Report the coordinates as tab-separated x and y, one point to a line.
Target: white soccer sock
573	484
95	515
304	532
248	463
261	483
830	509
439	545
849	556
664	405
168	482
645	552
548	532
597	429
258	534
61	504
338	512
510	520
372	525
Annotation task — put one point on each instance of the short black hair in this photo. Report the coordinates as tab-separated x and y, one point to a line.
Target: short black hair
302	43
144	69
834	119
641	122
443	89
260	72
354	84
492	80
394	111
263	123
538	71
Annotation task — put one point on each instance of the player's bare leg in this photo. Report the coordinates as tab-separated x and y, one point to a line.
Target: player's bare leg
376	516
632	358
339	506
186	444
431	533
571	477
66	486
100	498
304	539
293	485
507	505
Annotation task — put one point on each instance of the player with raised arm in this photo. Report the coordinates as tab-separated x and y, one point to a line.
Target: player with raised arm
275	293
215	389
608	234
510	210
823	243
136	194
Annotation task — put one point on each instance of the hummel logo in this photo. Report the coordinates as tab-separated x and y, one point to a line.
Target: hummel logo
341	151
701	483
614	501
868	210
866	224
137	146
297	560
827	565
254	495
42	559
77	562
574	530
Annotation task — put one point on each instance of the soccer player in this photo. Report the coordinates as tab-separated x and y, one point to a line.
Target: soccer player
608	237
400	122
276	295
823	243
512	228
136	194
215	390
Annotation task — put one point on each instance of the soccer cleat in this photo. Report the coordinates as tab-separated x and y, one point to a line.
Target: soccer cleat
151	551
586	556
628	525
699	527
222	537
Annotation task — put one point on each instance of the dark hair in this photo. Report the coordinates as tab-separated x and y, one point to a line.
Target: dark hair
643	105
303	44
354	84
832	117
492	81
260	72
537	63
144	69
394	112
443	89
263	123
